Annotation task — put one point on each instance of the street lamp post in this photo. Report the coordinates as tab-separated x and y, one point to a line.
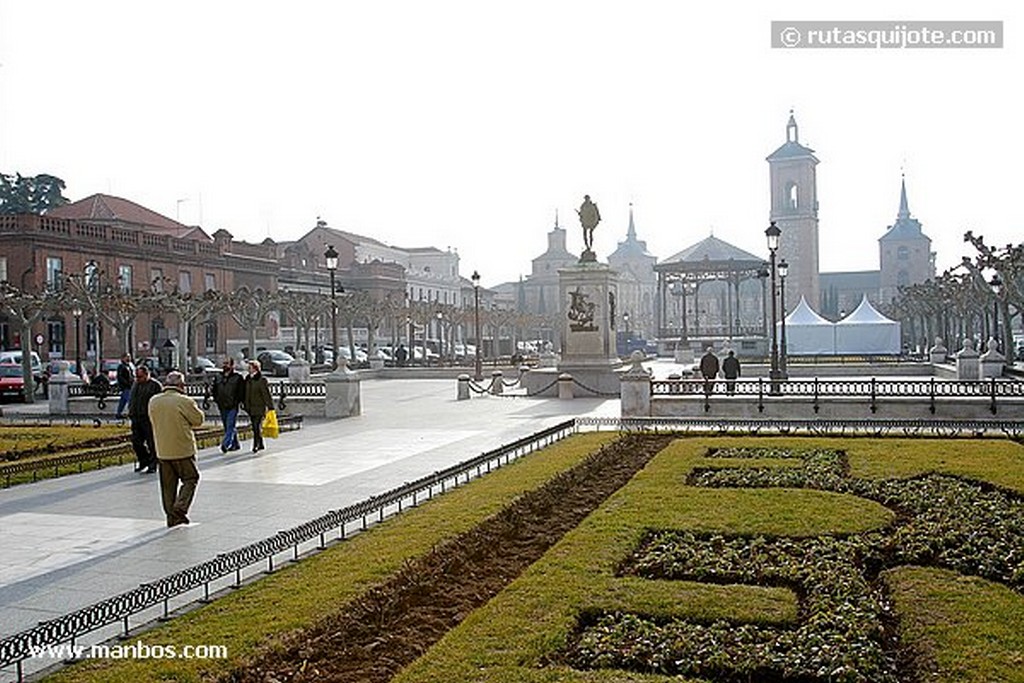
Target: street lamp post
77	312
772	233
331	257
783	271
997	289
440	338
478	370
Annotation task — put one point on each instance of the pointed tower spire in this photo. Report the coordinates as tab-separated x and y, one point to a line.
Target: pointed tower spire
631	232
792	133
904	211
556	219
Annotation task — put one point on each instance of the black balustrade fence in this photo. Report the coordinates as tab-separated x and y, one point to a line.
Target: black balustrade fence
17	648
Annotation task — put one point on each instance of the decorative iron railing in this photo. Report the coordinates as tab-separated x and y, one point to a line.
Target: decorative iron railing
15	649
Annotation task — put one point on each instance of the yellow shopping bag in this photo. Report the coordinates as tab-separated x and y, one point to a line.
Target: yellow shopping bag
270	426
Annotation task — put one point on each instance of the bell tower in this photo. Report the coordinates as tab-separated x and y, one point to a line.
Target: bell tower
794	208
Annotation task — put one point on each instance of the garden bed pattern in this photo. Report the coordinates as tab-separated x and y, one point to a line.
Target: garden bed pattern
846	629
373	637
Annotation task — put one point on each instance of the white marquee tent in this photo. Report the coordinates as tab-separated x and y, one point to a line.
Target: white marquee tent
807	333
866	331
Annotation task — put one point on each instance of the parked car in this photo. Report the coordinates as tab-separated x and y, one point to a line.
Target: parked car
14	357
275	362
12	382
109	368
205	366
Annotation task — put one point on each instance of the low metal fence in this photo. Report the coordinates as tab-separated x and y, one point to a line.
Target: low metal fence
17	648
870	389
282	390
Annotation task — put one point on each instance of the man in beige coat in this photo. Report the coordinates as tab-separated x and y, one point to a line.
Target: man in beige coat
173	416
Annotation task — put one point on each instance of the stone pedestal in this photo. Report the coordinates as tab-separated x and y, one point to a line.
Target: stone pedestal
298	370
342	394
377	361
589	291
59	383
636	389
990	363
937	354
565	385
967	366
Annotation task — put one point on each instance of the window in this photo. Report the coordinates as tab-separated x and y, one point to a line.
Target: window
3	269
210	282
185	282
92	277
55	336
156	279
124	278
54	270
902	278
903	253
791	195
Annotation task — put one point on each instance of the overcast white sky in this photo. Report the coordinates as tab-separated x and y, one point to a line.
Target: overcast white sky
467	124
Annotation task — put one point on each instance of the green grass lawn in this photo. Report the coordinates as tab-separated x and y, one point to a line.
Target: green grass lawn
964	624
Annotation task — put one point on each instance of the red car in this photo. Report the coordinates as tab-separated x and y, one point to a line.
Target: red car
11	381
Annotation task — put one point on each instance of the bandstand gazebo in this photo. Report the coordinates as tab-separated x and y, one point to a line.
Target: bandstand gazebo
711	292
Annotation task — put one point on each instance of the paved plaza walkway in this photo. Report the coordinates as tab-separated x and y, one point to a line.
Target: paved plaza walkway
69	542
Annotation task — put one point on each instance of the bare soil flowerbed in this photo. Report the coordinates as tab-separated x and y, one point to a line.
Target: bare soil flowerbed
372	638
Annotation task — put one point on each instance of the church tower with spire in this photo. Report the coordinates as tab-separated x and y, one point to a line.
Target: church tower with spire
638	282
794	208
905	252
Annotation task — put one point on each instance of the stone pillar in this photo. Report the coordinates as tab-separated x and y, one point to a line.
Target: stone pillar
565	385
589	294
496	383
636	389
298	370
463	391
342	394
377	360
937	354
990	363
59	384
967	361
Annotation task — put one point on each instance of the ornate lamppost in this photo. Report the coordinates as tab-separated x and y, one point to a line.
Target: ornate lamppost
331	257
77	312
783	271
772	233
440	338
478	370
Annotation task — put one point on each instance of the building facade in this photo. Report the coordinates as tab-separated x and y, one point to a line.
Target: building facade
638	284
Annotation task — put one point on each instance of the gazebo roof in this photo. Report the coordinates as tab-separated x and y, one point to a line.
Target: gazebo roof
711	255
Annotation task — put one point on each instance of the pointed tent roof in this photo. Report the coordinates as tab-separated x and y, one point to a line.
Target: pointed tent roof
905	227
792	149
803	314
110	209
865	313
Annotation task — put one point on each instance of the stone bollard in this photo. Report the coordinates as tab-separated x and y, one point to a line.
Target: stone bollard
463	393
937	354
377	360
59	383
635	389
342	394
298	370
565	385
496	385
990	363
967	366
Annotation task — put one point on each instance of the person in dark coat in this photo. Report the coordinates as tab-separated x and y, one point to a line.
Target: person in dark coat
731	370
125	382
257	402
401	355
144	388
709	369
229	393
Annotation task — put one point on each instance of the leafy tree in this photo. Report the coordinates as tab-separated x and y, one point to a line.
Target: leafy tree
30	194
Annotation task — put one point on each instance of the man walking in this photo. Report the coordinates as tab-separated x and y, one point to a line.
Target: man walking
731	370
125	380
174	415
709	369
144	389
228	392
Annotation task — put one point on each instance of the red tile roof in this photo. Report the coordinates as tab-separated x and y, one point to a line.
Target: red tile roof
107	208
